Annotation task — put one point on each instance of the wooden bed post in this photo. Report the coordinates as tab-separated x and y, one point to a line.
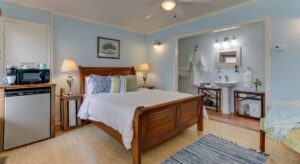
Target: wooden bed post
136	147
262	140
200	116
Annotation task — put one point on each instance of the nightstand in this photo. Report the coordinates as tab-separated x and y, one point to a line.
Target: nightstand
69	106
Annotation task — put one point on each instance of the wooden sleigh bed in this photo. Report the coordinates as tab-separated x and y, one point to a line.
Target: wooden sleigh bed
152	125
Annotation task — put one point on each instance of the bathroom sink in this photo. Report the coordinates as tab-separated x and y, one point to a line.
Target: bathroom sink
226	87
227	84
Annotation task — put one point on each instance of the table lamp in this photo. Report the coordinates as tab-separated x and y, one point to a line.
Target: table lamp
144	67
69	66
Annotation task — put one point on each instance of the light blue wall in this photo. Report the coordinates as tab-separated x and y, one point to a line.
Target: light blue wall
252	42
14	11
285	24
77	39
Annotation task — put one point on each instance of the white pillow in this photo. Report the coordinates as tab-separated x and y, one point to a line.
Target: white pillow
88	85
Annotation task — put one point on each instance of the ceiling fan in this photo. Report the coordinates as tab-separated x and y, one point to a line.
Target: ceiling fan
169	5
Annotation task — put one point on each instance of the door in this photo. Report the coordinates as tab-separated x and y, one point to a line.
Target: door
26	42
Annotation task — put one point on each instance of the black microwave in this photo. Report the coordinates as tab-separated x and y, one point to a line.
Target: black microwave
33	76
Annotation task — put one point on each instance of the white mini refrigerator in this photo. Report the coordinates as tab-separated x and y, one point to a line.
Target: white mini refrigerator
26	116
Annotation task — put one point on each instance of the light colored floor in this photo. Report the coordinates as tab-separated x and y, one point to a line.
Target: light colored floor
92	146
244	122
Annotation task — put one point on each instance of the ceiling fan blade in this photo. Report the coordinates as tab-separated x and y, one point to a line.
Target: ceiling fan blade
195	1
151	14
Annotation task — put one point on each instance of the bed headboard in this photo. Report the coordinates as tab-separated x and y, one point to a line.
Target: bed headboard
102	71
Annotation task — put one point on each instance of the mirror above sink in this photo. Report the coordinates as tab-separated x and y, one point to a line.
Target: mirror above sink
230	57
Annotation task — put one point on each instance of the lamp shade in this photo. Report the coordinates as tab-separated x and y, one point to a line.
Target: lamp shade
144	67
69	66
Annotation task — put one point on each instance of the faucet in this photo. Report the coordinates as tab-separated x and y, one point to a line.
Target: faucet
226	78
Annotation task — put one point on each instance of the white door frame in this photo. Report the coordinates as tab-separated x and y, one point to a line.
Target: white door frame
3	20
267	23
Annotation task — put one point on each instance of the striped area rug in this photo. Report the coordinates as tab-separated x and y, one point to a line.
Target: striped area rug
214	150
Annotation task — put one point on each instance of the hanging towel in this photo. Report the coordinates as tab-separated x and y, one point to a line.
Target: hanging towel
196	65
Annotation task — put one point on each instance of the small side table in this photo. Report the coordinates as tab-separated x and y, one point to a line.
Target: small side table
66	103
212	93
241	95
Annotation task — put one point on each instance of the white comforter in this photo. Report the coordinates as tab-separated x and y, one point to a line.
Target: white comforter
117	109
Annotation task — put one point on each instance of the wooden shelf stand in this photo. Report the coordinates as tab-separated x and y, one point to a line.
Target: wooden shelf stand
241	95
212	94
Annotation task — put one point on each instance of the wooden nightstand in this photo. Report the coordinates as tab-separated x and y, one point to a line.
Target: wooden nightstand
69	106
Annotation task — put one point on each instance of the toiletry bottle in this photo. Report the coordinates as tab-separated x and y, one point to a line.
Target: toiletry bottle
248	78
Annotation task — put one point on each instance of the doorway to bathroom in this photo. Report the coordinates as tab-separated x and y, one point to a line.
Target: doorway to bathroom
221	61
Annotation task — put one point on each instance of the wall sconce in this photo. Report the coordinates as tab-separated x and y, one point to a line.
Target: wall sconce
234	41
228	42
217	45
157	43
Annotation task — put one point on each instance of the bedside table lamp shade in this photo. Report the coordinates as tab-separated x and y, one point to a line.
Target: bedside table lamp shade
144	67
69	66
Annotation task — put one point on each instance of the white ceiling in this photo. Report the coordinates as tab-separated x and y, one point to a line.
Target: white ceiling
129	14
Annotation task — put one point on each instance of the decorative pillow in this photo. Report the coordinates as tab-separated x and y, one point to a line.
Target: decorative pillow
123	84
101	84
131	84
118	84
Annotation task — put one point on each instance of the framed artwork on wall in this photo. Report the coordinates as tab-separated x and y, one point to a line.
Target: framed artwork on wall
108	48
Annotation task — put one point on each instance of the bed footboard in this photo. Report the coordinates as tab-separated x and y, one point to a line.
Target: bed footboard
156	124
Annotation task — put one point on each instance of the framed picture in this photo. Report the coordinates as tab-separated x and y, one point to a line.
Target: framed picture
108	48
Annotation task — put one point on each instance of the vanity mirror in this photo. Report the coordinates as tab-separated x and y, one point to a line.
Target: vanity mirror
228	57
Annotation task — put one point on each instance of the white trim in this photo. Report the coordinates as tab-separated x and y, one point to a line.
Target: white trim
24	21
73	17
130	30
268	32
2	72
267	23
52	47
98	23
205	16
175	65
28	5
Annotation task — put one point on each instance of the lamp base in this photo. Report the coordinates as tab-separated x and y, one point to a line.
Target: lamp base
70	82
145	79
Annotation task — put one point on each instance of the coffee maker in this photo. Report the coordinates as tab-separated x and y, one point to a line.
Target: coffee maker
11	73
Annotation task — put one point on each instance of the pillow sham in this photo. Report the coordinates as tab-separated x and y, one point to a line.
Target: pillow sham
100	84
131	84
88	85
118	84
